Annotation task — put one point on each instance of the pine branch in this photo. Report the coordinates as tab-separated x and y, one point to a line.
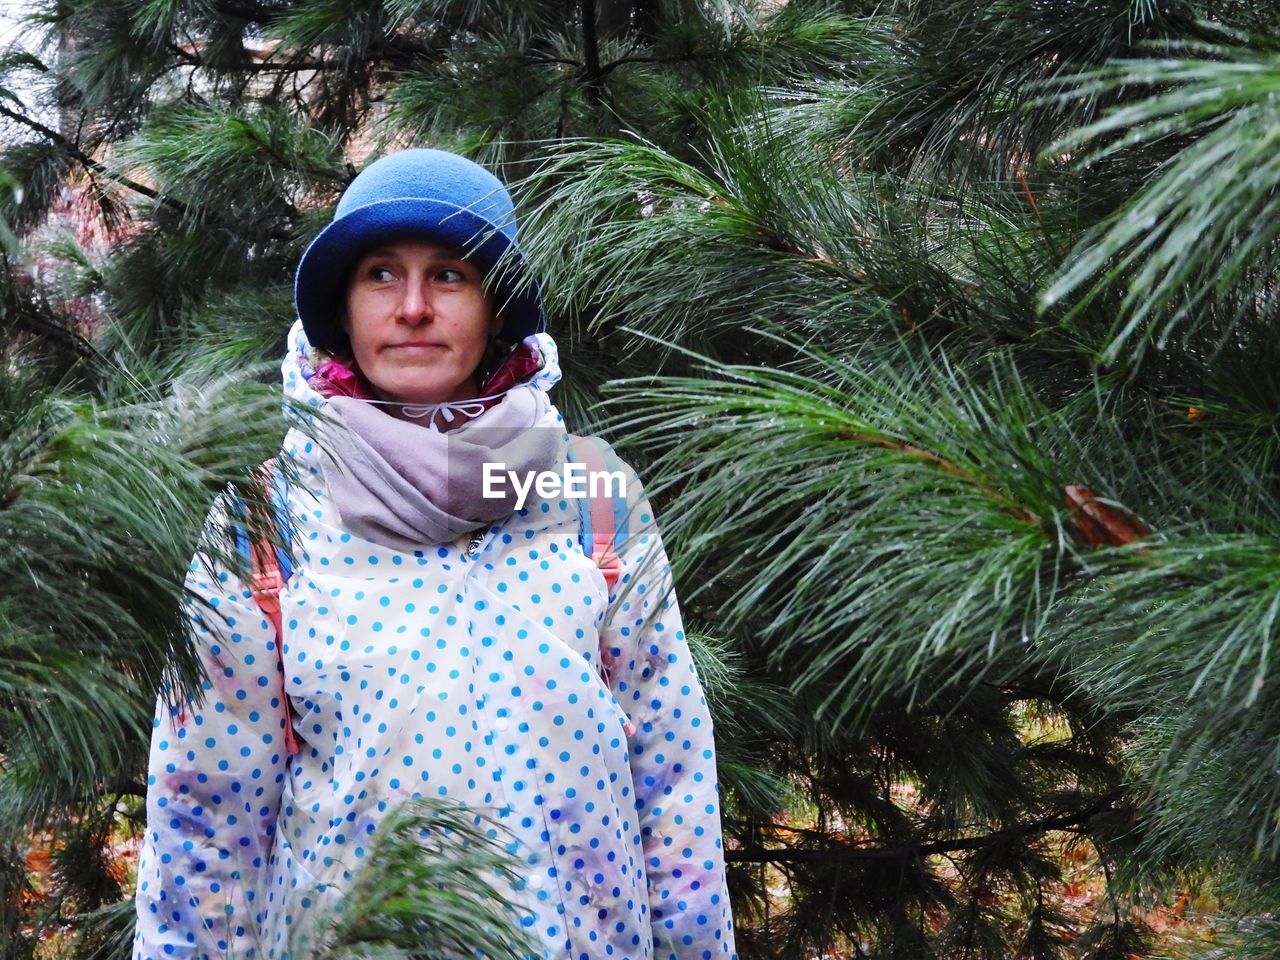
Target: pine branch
190	59
630	58
865	438
253	13
592	77
178	206
1215	197
844	851
43	323
75	152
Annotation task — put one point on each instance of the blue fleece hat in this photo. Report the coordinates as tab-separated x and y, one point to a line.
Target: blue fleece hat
418	194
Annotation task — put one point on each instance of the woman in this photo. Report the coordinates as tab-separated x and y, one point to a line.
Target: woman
435	639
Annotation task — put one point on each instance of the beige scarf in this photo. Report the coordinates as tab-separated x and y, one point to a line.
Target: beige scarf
400	484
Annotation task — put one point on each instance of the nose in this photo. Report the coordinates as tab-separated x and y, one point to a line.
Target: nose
415	305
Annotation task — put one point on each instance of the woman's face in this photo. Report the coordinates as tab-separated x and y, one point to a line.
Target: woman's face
419	321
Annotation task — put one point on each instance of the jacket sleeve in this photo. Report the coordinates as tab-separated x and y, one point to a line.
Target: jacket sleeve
215	774
672	750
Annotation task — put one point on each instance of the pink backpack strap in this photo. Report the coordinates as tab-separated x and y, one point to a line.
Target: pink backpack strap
603	526
265	587
603	530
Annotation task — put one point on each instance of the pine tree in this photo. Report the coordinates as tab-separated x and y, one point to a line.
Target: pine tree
947	326
164	165
963	397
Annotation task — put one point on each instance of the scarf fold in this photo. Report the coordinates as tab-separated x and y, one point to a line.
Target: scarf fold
404	486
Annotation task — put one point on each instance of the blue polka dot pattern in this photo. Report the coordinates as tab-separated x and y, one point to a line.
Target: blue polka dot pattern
432	673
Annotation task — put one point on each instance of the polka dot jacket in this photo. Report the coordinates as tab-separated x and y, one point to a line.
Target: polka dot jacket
433	673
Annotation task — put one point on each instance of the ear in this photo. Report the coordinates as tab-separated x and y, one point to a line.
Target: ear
496	321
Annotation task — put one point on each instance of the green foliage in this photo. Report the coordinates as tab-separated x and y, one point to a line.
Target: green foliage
247	167
945	88
1217	193
753	213
1251	939
843	541
33	173
98	528
868	428
436	884
105	488
944	336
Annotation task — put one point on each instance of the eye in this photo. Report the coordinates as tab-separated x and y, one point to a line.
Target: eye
380	274
451	275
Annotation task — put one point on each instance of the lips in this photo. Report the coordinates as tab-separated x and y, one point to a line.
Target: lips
415	347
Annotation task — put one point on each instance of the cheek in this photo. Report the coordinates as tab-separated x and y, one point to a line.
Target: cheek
359	323
473	325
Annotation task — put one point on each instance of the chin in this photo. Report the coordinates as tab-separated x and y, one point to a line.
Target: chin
418	395
417	399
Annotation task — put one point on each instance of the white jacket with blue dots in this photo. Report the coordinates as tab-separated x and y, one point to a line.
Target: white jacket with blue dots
433	673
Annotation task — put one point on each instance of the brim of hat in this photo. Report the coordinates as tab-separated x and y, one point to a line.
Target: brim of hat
319	284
